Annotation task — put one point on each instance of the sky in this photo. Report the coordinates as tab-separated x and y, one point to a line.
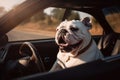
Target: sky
8	4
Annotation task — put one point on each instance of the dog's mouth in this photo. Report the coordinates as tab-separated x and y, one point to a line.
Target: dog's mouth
64	46
62	41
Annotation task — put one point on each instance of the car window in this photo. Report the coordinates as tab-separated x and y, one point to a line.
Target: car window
112	15
43	25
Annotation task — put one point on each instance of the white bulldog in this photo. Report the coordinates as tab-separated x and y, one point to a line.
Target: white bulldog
75	44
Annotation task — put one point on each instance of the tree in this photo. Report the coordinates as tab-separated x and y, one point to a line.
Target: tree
57	13
40	16
74	15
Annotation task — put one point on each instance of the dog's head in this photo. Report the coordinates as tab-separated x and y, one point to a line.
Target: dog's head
73	34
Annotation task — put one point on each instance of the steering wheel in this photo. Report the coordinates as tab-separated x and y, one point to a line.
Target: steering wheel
35	55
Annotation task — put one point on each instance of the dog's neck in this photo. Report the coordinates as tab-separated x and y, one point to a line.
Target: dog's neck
85	48
76	51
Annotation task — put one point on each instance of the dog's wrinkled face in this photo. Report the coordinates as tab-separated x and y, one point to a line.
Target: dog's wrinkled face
72	34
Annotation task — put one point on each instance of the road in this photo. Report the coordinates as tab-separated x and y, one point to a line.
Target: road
17	35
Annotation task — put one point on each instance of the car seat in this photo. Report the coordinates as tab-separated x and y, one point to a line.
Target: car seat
109	44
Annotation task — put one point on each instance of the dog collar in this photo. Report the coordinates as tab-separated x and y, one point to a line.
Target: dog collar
84	49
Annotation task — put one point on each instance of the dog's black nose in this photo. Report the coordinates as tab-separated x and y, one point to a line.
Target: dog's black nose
64	31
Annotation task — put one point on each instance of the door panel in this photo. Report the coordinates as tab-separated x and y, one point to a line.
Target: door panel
47	49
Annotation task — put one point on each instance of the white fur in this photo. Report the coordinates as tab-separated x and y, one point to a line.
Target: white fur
69	59
89	55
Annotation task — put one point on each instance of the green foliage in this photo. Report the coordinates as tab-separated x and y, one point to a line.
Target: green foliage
74	15
54	18
58	13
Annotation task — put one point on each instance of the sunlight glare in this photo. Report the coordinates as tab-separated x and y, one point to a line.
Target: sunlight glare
9	4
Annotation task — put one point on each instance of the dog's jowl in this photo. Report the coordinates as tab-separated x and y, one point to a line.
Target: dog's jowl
75	44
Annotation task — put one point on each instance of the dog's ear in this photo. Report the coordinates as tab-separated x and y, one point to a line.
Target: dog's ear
86	22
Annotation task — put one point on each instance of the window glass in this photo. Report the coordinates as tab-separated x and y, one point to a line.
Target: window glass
112	15
43	25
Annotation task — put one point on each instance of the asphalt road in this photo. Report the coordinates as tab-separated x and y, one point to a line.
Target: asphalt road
17	35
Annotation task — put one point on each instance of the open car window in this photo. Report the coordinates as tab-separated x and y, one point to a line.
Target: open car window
43	24
112	15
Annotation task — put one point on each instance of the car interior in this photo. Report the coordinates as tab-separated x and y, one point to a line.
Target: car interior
38	56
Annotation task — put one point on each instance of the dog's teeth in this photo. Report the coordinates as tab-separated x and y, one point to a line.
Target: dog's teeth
63	45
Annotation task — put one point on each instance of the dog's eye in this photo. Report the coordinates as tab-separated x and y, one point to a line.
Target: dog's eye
73	29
